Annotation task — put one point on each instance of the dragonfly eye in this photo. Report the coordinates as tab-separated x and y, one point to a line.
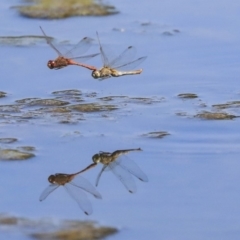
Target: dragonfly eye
95	74
51	178
51	64
96	158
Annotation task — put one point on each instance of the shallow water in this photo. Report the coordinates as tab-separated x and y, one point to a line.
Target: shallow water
193	190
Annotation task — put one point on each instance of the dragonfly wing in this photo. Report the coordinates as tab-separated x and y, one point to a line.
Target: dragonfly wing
80	197
82	183
103	55
99	175
85	58
47	191
50	43
130	166
124	176
80	48
125	57
131	65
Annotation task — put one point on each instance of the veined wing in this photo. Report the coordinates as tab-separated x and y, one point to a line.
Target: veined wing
47	191
131	65
124	176
125	57
80	48
80	197
130	166
99	175
50	43
103	55
82	183
85	58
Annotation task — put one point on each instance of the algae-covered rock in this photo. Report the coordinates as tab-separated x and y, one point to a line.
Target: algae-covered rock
22	41
92	107
56	9
51	229
215	115
13	154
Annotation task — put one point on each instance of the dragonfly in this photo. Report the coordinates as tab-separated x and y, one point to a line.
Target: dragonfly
122	167
64	60
74	186
116	67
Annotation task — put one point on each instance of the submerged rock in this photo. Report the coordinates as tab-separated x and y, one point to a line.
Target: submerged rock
232	104
22	40
71	92
27	148
13	154
70	95
137	100
215	115
187	95
92	107
55	9
159	134
2	94
8	140
52	229
77	231
47	102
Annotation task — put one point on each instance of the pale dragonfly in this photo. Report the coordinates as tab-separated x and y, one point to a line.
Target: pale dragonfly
64	60
119	66
74	185
122	167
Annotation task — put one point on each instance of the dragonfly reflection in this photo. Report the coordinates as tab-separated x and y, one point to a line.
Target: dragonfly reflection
63	60
122	167
74	187
116	67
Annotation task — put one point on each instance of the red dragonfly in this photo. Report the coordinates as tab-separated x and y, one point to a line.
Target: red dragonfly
74	187
63	60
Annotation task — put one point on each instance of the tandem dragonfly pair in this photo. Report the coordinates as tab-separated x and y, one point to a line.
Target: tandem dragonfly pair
122	167
110	68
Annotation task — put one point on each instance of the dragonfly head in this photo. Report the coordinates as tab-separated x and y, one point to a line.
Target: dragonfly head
51	179
96	158
96	74
51	64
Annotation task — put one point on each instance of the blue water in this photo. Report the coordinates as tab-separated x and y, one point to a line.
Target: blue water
193	189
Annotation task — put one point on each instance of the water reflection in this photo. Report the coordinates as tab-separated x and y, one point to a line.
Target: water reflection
122	167
67	59
74	184
122	62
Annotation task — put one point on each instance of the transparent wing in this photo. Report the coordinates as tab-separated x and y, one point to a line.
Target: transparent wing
103	55
124	176
130	166
85	58
131	65
80	197
47	191
80	48
82	183
50	43
125	57
99	175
